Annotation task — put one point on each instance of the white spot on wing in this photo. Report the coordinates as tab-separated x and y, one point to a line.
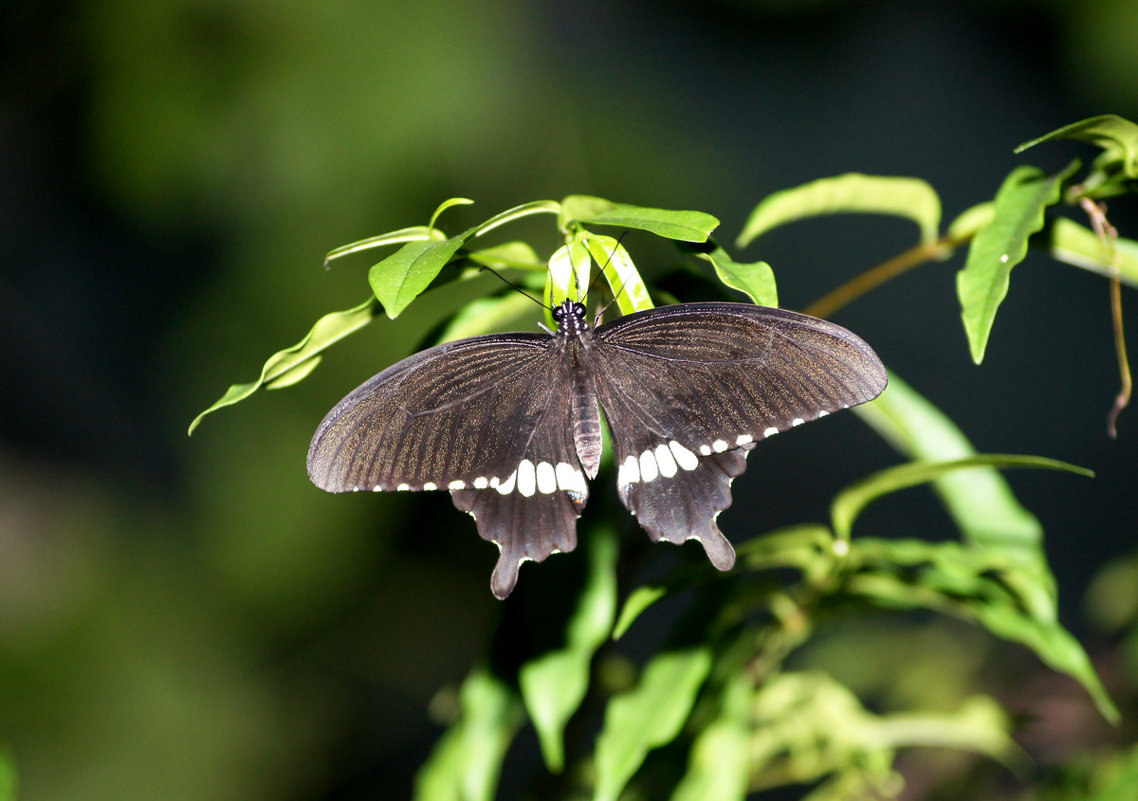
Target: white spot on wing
403	488
527	478
648	467
797	421
770	432
481	482
705	450
570	478
822	413
430	485
507	486
665	461
546	478
684	458
629	472
719	446
456	485
744	439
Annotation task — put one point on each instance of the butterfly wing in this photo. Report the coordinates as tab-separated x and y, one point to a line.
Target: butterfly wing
688	390
484	418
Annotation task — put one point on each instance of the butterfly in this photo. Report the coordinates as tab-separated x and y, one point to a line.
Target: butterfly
509	424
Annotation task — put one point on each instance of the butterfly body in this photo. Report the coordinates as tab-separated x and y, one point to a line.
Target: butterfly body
510	423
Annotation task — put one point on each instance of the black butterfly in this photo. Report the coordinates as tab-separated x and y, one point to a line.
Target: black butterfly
509	423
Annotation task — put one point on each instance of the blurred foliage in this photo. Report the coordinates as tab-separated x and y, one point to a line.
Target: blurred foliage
190	620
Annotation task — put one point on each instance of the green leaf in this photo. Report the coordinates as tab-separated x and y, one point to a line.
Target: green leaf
507	256
290	365
852	193
972	220
446	204
554	684
568	272
1079	246
755	280
1117	136
627	286
685	226
999	246
487	315
647	716
466	762
414	234
516	213
719	765
851	501
978	584
406	273
638	600
979	499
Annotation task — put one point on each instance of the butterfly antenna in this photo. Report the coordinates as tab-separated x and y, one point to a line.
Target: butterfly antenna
511	284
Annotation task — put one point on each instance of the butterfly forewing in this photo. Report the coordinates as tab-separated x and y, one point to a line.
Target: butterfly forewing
485	418
689	389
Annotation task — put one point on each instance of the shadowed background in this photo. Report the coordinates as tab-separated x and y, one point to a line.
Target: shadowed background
190	618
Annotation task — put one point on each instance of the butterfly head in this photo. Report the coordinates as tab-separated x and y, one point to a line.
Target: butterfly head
570	317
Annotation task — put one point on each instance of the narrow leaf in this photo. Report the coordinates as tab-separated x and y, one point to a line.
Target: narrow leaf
852	193
292	364
979	499
851	501
1117	136
8	782
999	246
446	204
972	220
467	760
648	716
406	273
685	226
568	272
755	280
516	213
1079	246
622	276
414	234
638	600
554	684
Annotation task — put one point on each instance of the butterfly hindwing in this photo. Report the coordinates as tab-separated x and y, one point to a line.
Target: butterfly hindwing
689	389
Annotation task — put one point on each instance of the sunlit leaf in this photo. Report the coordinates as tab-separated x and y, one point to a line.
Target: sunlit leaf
554	684
416	233
719	764
467	760
622	276
1000	245
288	366
972	220
979	499
755	280
406	273
446	204
647	716
638	600
507	256
488	315
852	193
516	213
1117	136
849	503
569	268
685	226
